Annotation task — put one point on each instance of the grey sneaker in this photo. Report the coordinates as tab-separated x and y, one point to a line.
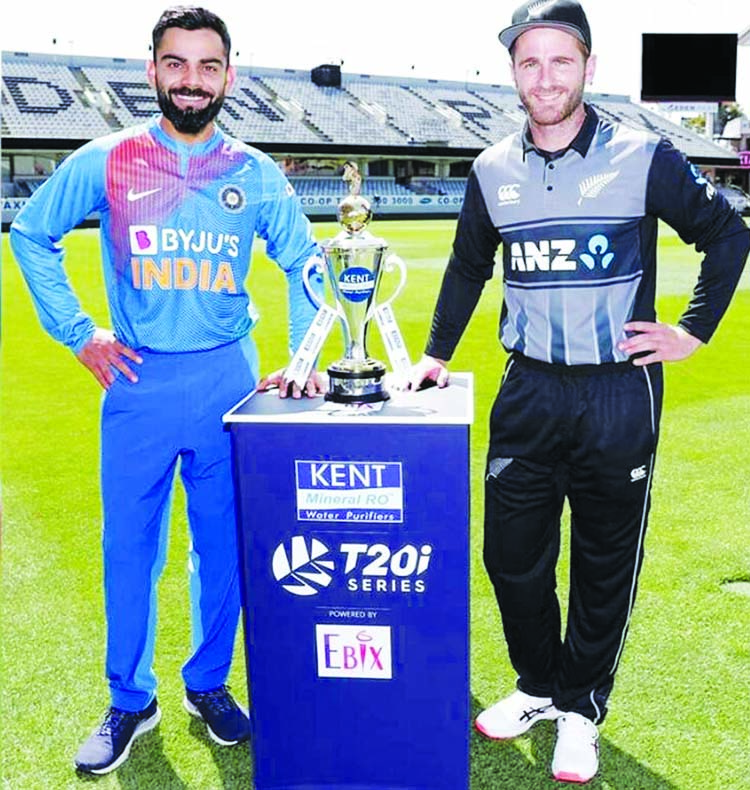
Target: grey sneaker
108	746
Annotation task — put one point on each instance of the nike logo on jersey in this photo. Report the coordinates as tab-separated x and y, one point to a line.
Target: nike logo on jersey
247	167
133	195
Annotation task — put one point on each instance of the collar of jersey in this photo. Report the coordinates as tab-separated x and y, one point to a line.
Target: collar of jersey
183	149
581	142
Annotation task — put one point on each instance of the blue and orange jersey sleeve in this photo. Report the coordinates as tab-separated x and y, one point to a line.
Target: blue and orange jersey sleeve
73	192
177	224
289	242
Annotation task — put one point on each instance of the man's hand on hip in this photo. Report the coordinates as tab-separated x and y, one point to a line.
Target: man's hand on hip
667	343
104	352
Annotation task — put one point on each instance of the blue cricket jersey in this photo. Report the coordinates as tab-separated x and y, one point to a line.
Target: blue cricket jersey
177	228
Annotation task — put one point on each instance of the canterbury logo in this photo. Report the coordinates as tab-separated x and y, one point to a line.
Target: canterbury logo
508	193
133	195
592	187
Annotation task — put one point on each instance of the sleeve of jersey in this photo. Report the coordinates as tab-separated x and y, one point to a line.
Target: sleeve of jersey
680	195
470	265
73	191
289	242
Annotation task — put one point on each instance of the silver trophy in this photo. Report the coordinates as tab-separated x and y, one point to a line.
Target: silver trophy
354	263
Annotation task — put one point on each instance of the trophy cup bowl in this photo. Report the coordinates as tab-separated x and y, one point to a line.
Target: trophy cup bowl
354	263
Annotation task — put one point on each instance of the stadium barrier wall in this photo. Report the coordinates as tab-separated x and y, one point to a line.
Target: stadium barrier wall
323	207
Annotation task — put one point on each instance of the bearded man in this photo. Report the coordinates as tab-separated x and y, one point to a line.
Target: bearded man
575	200
180	203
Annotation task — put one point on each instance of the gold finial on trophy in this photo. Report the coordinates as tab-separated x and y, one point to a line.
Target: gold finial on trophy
353	177
354	211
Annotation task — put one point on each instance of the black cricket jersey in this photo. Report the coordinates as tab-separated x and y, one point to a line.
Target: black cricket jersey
579	233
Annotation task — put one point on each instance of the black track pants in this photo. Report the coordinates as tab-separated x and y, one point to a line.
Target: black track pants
590	435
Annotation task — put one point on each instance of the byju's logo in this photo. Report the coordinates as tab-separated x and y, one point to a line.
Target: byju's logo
301	565
349	491
144	239
354	651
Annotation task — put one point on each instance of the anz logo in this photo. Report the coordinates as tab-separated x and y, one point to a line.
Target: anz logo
557	255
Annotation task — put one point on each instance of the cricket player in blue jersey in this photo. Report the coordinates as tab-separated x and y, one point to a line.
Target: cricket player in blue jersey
180	203
575	201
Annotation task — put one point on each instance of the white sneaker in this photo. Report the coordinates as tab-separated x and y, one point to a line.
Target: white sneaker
576	757
514	715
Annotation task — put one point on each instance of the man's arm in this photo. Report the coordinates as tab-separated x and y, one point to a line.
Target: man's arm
470	265
290	242
682	197
73	191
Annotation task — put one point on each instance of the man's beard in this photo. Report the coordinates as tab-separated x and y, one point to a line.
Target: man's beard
544	114
189	121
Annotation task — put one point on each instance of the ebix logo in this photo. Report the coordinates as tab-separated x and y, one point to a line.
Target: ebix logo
353	651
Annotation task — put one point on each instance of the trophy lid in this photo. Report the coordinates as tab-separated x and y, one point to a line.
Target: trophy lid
354	214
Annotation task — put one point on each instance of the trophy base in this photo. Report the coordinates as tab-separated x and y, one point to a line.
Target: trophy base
361	384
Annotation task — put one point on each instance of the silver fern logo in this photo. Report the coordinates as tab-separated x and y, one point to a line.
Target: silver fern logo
537	9
593	186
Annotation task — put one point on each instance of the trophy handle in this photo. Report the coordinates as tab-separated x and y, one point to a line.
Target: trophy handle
389	264
313	264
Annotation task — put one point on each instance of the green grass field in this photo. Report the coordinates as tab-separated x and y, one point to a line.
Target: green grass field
678	716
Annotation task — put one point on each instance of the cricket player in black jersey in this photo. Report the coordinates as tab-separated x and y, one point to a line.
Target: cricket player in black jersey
575	202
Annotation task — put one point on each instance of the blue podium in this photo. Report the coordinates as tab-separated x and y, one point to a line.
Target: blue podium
354	534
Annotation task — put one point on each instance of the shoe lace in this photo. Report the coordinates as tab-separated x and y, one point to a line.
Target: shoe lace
113	721
529	713
218	700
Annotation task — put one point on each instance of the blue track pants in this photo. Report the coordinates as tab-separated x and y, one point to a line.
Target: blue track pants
173	413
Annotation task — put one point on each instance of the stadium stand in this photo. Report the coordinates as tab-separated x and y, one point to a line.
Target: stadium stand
58	102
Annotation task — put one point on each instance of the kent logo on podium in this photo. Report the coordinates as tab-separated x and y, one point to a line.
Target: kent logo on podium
350	491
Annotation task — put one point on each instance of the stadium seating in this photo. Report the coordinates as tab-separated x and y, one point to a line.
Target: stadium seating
44	100
45	97
330	185
67	99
